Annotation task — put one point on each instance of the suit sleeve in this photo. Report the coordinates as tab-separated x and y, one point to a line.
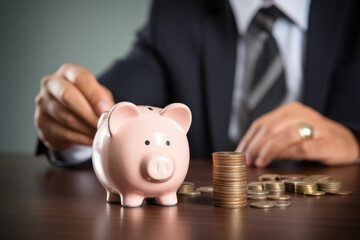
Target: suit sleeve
141	77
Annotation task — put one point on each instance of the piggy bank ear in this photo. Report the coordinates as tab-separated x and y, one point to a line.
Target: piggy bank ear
121	113
102	119
180	113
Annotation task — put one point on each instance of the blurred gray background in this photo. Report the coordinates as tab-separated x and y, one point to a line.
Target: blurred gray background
38	36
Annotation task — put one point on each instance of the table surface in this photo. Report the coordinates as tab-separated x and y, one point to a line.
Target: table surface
39	201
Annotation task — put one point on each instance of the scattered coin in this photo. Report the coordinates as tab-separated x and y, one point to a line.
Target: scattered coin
290	184
206	189
281	203
306	187
186	187
279	197
274	186
262	204
257	192
257	197
329	185
269	177
340	193
230	189
255	186
193	193
292	176
315	178
315	193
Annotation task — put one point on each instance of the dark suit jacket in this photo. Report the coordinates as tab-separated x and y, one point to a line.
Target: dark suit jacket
186	53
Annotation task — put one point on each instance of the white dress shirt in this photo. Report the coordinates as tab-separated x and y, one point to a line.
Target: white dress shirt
290	38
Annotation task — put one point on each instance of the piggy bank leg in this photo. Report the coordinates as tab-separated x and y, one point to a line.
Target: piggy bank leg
131	200
169	199
112	197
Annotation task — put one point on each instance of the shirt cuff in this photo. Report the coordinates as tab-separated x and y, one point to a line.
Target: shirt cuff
70	157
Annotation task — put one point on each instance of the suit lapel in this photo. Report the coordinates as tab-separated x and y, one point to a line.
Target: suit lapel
220	37
326	26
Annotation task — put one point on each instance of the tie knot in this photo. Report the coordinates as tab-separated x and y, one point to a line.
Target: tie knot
266	17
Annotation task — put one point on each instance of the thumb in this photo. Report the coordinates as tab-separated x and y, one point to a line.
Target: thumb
99	97
104	101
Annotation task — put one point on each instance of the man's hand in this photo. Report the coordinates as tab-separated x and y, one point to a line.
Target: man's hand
276	136
68	107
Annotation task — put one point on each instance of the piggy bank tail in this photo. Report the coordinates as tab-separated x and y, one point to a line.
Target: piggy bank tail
102	119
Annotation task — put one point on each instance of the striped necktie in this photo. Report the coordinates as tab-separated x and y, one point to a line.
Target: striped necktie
264	80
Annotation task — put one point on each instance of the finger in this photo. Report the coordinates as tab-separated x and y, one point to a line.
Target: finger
54	133
277	144
248	136
256	144
46	139
69	95
254	129
63	116
304	150
99	100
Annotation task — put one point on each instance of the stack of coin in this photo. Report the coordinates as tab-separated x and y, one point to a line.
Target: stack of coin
317	177
186	187
329	185
274	186
269	177
290	184
306	187
205	189
257	194
255	186
292	176
229	179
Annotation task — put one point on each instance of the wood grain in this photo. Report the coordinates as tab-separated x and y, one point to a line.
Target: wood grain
39	201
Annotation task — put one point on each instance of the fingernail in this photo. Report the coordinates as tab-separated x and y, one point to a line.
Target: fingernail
102	106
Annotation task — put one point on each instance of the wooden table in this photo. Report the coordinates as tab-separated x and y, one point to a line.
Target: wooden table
39	201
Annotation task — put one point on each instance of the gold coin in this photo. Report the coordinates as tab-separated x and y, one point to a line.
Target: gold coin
292	176
229	190
228	153
281	203
315	193
186	187
317	177
329	182
205	189
187	184
230	206
257	197
257	192
339	193
279	197
262	204
229	184
269	177
229	194
193	193
230	201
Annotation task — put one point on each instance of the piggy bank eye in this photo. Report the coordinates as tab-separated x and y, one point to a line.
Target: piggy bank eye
147	142
168	143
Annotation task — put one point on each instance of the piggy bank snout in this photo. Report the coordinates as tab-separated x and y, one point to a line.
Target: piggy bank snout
158	168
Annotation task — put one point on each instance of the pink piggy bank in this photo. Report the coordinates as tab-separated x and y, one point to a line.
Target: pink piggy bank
141	152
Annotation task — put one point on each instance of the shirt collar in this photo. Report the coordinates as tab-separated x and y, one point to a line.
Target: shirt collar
245	10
